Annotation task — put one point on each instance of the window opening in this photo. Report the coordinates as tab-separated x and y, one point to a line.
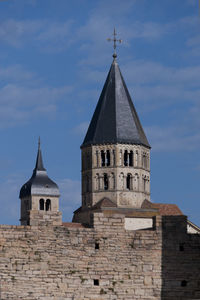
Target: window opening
125	158
144	161
128	182
41	204
181	247
48	204
107	158
144	184
96	281
96	246
103	158
183	283
105	179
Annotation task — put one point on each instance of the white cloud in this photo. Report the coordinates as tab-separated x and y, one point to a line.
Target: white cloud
22	97
148	72
9	201
81	129
14	32
194	41
151	82
192	2
173	138
42	34
15	73
194	45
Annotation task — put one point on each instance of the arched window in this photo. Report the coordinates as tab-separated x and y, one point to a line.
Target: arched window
147	162
103	158
131	158
144	184
144	159
41	202
105	181
125	158
128	182
107	158
48	204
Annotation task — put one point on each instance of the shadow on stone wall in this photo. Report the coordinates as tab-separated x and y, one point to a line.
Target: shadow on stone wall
180	260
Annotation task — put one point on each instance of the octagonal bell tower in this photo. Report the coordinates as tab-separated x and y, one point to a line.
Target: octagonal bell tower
115	151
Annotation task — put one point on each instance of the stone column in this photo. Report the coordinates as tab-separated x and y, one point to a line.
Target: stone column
113	158
124	179
101	182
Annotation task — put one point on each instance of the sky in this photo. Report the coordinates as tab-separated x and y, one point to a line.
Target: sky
54	59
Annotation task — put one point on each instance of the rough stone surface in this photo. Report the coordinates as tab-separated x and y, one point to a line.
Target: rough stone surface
62	262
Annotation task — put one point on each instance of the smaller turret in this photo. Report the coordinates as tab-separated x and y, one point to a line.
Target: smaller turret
40	197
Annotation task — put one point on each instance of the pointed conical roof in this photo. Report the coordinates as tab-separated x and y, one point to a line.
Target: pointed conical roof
39	163
39	183
115	119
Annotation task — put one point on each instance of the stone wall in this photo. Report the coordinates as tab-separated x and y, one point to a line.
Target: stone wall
103	262
180	260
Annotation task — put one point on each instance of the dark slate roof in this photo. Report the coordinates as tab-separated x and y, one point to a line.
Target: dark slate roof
115	119
39	183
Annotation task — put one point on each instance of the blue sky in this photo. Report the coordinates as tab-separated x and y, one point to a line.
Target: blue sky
54	59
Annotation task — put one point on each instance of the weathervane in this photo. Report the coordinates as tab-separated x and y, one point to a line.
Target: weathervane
39	142
115	40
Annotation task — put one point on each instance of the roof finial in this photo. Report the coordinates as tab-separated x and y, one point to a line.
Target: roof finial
114	40
39	142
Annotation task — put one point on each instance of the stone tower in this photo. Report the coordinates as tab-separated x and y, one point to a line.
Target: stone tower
115	151
40	197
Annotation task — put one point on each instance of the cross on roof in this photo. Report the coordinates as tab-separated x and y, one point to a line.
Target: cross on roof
114	40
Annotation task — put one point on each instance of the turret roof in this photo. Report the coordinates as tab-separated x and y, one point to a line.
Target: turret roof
39	183
115	119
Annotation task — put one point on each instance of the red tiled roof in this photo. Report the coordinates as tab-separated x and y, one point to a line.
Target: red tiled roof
105	202
164	209
74	225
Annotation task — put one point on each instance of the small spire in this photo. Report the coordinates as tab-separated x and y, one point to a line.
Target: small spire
114	40
39	163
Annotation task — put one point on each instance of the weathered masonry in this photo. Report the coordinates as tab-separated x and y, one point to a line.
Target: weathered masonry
102	262
120	245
